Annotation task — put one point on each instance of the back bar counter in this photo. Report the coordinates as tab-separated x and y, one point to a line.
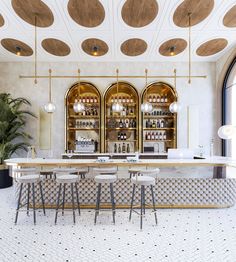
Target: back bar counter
182	183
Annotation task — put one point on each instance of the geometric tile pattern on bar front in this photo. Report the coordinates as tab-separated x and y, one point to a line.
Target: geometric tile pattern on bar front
193	235
168	191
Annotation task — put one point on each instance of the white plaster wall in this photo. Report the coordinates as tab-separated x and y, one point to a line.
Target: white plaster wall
201	92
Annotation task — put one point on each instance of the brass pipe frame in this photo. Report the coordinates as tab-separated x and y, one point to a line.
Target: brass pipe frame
111	76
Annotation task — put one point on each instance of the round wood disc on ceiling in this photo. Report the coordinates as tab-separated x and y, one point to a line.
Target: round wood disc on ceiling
28	10
55	47
88	13
1	20
139	13
133	47
199	10
173	47
230	17
16	47
212	47
94	47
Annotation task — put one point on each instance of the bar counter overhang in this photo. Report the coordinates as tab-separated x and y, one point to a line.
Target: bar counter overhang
176	187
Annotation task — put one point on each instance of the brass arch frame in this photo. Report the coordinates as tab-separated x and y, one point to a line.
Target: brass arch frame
175	95
66	113
105	112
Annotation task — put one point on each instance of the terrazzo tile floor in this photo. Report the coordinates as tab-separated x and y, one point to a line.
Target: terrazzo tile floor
181	235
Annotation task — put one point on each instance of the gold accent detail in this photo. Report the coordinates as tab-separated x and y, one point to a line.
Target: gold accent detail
189	47
35	49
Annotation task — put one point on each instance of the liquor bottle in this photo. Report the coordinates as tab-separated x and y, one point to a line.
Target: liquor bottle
149	136
120	124
160	136
118	136
123	123
148	123
130	123
123	113
165	99
119	149
154	124
123	148
152	136
134	123
131	111
162	123
162	99
164	135
156	136
115	148
146	136
128	148
127	123
158	124
158	99
154	99
124	136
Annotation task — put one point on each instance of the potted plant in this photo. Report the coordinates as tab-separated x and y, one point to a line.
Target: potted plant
12	135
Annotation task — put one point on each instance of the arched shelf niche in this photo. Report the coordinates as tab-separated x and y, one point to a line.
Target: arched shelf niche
159	127
83	129
121	129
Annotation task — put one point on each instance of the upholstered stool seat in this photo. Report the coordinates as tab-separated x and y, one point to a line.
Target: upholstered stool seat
66	176
133	171
30	178
106	175
144	178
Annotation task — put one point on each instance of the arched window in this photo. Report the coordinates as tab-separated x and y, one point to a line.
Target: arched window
229	108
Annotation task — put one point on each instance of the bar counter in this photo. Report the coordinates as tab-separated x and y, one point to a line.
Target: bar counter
182	183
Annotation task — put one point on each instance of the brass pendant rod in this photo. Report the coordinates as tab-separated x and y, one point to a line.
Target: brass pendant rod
189	47
117	82
146	72
78	82
35	49
114	76
175	78
50	85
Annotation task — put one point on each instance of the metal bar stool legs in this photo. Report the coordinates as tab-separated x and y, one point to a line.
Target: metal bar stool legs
153	203
112	202
98	202
132	202
18	203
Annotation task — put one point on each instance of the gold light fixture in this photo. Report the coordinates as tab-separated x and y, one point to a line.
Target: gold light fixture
175	106
18	51
78	105
50	107
172	50
189	47
117	106
146	107
95	51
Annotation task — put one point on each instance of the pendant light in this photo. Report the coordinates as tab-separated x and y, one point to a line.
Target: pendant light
78	106
50	107
146	107
189	48
175	106
35	49
227	131
117	106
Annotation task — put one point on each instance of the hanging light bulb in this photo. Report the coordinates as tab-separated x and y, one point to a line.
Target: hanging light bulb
172	50
95	51
50	107
78	106
175	107
227	132
18	51
117	106
146	107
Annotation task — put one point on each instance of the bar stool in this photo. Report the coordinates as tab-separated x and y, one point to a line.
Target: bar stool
144	178
133	171
66	176
28	177
106	176
82	171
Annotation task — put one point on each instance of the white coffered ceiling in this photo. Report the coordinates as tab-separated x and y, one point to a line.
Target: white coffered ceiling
114	31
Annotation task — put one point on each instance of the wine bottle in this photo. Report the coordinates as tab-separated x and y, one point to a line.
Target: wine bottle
152	136
128	148
115	148
156	136
123	148
154	124
119	149
164	135
162	123
120	124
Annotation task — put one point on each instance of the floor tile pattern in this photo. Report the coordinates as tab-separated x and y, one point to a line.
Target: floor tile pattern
193	235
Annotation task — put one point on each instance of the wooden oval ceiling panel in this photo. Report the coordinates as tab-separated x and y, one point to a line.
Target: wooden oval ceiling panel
94	47
230	17
199	10
212	47
133	47
55	47
88	13
16	47
139	13
173	47
28	10
1	20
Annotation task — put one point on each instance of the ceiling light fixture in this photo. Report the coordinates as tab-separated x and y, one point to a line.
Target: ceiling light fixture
18	51
117	106
146	107
189	47
50	107
172	50
78	105
175	106
95	51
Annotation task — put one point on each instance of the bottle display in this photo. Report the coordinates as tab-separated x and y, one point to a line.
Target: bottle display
121	128
159	125
83	128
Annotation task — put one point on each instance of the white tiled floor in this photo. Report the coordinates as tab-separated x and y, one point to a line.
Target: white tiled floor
181	236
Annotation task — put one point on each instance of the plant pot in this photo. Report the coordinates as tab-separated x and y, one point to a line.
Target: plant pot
5	179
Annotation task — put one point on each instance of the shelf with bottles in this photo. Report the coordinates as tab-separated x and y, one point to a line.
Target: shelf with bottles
124	122
85	125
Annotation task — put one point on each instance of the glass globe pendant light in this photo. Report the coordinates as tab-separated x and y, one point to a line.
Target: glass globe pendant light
175	106
50	107
117	106
146	107
227	131
78	106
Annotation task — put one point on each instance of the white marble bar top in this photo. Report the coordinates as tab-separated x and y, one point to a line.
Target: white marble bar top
209	161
